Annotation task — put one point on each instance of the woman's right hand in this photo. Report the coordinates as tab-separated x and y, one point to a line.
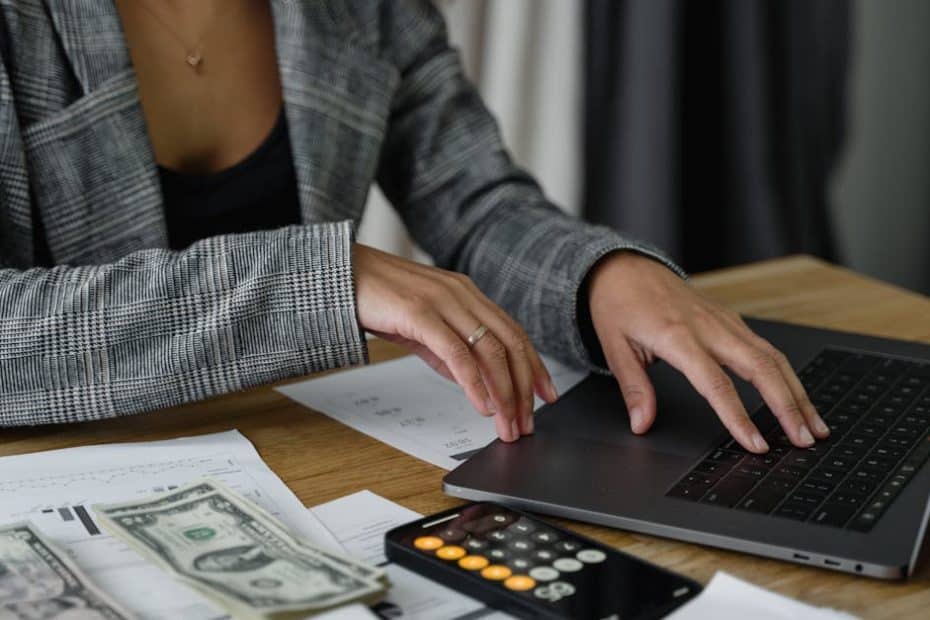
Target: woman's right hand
432	312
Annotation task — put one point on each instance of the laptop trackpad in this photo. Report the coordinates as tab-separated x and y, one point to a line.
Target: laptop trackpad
685	425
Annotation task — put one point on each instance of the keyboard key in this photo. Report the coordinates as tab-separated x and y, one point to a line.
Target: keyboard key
834	514
847	451
807	498
766	461
828	474
792	510
750	472
864	522
801	459
722	456
712	467
851	499
729	491
790	473
816	486
763	499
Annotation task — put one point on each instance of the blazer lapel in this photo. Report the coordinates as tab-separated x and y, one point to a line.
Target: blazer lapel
93	215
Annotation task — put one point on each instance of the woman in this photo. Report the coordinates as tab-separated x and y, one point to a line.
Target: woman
179	183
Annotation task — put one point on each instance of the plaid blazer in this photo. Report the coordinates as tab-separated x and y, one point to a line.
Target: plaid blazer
372	92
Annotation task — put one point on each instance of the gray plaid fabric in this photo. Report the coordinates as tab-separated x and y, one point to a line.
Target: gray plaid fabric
122	325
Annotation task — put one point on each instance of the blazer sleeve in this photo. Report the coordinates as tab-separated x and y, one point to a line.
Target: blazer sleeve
447	172
158	328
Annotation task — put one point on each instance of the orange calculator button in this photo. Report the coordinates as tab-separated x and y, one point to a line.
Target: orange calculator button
473	562
450	552
496	572
428	543
520	583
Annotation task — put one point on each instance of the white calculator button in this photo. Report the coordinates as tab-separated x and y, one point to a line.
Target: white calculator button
499	518
555	591
591	556
567	565
544	573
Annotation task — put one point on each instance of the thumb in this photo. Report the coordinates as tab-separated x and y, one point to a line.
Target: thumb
637	390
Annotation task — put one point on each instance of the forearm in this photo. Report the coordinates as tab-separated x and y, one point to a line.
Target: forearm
159	328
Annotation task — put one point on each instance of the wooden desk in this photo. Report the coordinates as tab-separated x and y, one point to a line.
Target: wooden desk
322	460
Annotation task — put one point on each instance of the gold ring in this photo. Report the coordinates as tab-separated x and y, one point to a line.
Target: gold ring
477	335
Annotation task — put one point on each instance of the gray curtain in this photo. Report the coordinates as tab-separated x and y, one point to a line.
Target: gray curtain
712	126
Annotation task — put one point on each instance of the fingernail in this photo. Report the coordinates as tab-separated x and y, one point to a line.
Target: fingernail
821	427
806	438
553	393
530	424
515	429
636	419
760	444
490	406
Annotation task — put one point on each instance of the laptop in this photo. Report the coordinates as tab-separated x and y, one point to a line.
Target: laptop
857	502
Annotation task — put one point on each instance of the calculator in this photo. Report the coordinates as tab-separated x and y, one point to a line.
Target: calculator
529	568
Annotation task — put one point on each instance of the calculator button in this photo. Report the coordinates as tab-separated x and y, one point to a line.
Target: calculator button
567	546
591	556
520	583
496	572
544	573
522	545
473	562
498	554
568	565
476	545
523	527
555	591
450	552
452	535
499	536
544	555
545	537
520	564
499	518
428	543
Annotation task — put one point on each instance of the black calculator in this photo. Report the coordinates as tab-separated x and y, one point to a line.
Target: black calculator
526	567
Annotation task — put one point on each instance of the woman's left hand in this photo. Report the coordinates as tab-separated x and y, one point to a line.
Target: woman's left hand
642	310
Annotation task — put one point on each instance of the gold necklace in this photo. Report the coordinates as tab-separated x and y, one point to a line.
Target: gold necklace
193	53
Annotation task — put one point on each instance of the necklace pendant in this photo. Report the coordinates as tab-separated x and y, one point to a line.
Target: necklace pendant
194	59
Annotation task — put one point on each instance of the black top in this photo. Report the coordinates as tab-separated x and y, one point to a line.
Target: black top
258	193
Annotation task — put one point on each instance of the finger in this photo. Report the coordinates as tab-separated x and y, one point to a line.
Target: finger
431	331
473	310
543	385
809	412
519	353
526	364
685	353
758	367
637	390
492	358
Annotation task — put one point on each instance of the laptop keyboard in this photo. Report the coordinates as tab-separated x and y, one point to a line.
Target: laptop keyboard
878	411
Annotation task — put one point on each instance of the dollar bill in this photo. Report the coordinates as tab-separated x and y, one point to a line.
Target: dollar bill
39	582
208	486
236	554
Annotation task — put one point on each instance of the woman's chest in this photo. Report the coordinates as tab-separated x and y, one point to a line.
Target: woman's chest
90	159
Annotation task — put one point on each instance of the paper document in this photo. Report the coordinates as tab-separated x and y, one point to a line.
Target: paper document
405	404
358	523
54	490
729	598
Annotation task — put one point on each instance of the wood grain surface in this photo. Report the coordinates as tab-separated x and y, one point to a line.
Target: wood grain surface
322	460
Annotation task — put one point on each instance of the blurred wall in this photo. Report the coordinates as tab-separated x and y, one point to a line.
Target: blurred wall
881	189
